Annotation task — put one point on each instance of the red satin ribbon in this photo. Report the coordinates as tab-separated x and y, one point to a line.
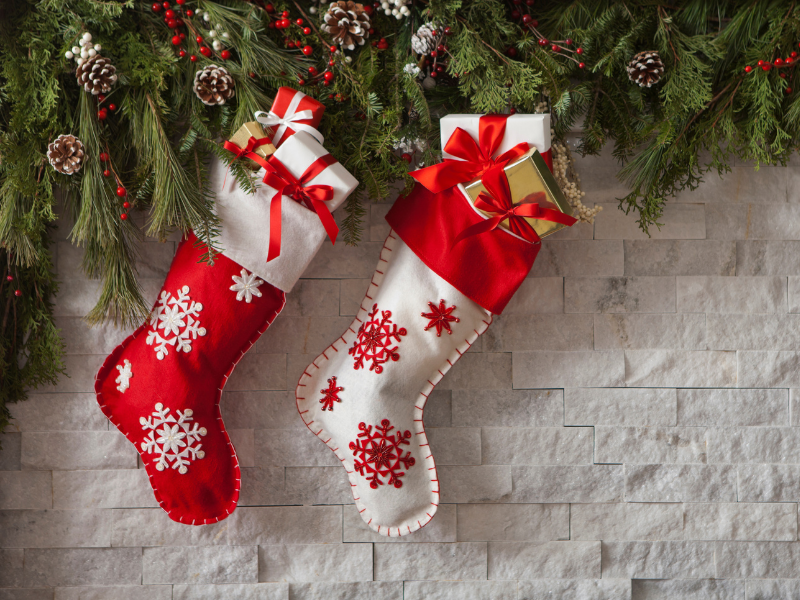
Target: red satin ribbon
498	202
246	152
477	157
313	196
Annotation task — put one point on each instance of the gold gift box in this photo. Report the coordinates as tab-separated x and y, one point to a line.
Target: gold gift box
527	175
243	135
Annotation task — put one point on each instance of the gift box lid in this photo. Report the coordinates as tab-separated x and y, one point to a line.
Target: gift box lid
526	176
531	128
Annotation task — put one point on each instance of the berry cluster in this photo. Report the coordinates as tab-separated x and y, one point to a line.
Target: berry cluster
778	63
85	51
177	18
520	11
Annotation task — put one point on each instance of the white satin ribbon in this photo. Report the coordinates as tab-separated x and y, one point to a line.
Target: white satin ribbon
270	119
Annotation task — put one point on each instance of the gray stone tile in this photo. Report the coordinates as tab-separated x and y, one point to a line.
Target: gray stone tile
731	294
290	448
754	222
569	369
757	560
115	592
136	527
513	522
794	294
769	483
507	408
753	332
741	521
155	259
650	445
539	332
317	485
81	338
579	231
764	258
10	450
302	335
734	445
622	407
537	446
345	262
768	369
455	445
680	483
619	295
200	564
460	590
55	528
315	562
542	295
438	408
576	589
688	589
463	484
313	297
743	184
596	483
770	589
26	594
464	560
26	489
259	372
479	371
59	412
549	560
440	529
126	488
285	525
261	410
385	590
680	257
732	408
351	294
626	521
83	566
579	258
678	222
82	369
658	560
263	486
12	560
680	368
244	445
678	332
71	450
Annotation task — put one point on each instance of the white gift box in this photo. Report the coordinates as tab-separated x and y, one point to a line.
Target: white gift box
533	129
246	220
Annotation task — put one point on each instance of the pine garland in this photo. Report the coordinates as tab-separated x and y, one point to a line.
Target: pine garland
499	56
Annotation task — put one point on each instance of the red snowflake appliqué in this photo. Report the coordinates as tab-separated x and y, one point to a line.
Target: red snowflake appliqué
440	317
331	394
378	454
374	341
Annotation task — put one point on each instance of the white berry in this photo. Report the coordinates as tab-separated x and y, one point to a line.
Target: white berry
68	54
212	33
84	54
348	59
87	36
217	45
206	17
97	47
92	53
226	35
79	61
76	50
313	10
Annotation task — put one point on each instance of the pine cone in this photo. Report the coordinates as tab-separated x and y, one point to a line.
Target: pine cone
96	75
646	68
347	23
423	41
65	154
213	85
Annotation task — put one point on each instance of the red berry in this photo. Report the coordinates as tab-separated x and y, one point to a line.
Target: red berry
434	74
778	62
766	67
182	36
581	65
225	54
301	82
333	49
101	97
193	58
554	48
285	14
205	51
760	63
312	70
165	5
331	62
172	23
182	53
299	22
439	68
156	7
189	12
440	48
527	19
106	173
306	30
568	41
103	157
180	2
121	192
748	68
512	111
176	40
199	39
447	30
529	2
269	8
330	96
179	21
515	14
434	53
328	76
793	55
326	83
406	157
170	14
290	44
271	25
124	216
18	293
788	90
253	75
368	9
9	278
579	51
782	75
126	204
308	50
543	42
102	114
511	51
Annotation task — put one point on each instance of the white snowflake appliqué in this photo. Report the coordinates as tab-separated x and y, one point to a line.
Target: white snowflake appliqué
172	439
178	317
124	377
246	286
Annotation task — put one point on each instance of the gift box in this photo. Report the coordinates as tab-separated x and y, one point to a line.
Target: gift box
242	137
533	129
292	111
246	218
528	177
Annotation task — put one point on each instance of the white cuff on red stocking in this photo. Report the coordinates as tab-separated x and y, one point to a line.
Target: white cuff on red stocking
365	395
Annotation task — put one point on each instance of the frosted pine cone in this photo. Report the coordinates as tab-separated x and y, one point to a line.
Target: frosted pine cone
96	75
65	154
646	68
213	85
347	23
423	41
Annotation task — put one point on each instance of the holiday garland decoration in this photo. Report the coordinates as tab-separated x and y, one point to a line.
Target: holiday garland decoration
119	77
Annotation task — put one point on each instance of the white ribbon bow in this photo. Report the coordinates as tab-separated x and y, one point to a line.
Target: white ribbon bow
270	119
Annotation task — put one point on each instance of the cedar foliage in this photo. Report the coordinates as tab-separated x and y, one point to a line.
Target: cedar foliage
704	112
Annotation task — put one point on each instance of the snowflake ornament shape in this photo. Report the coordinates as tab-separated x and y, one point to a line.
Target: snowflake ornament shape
174	322
440	317
246	286
331	394
124	377
379	456
175	441
374	342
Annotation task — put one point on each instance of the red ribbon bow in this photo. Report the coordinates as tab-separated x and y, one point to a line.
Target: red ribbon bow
477	157
313	196
247	152
498	203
